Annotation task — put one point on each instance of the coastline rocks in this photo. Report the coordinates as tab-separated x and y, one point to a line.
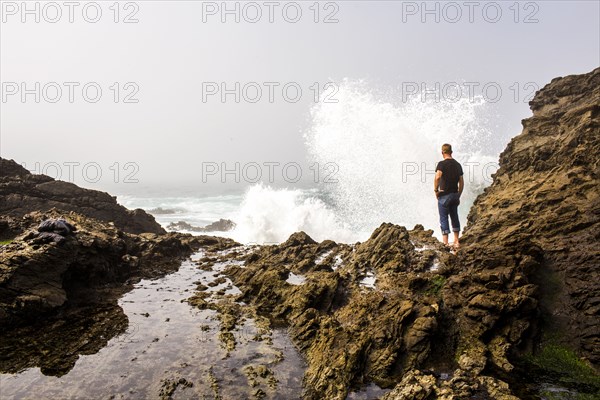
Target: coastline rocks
417	385
401	311
222	225
539	223
39	278
351	332
162	211
22	192
388	309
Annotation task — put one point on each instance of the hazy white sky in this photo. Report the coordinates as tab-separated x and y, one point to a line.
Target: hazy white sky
178	50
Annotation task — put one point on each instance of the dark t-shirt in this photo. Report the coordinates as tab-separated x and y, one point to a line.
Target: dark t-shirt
451	173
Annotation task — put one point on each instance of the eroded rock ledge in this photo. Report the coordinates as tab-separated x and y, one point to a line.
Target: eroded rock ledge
541	215
39	278
381	311
22	192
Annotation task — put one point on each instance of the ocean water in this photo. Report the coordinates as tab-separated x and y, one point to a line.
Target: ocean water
378	156
262	214
197	210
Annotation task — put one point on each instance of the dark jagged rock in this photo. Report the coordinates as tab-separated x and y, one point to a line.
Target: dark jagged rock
163	211
39	278
529	262
22	192
222	225
182	226
298	239
350	332
539	221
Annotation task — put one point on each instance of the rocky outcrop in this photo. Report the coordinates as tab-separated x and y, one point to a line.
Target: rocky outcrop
371	312
39	278
539	221
22	192
222	225
401	311
163	211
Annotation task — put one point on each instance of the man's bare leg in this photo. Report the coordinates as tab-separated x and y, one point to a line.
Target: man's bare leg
445	239
456	242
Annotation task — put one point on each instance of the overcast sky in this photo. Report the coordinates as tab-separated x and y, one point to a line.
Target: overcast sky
181	51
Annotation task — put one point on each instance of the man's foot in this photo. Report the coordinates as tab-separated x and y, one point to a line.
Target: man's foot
456	245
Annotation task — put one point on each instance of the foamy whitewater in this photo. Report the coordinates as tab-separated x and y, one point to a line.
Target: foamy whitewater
383	156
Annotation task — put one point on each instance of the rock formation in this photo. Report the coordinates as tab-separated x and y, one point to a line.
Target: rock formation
222	225
371	312
401	311
540	218
59	299
22	192
39	278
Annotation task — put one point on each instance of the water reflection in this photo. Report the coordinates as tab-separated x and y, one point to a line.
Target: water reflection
56	345
152	345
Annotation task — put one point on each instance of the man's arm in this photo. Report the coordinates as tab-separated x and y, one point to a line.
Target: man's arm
461	185
436	181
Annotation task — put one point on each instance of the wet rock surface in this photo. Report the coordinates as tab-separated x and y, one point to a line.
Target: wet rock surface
22	192
168	349
369	312
55	344
39	278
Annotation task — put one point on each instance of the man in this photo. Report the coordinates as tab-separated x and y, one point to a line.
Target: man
448	186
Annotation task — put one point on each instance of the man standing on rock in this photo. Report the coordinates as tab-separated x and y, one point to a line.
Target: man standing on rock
448	186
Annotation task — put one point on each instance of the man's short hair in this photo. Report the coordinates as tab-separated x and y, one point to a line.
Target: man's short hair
446	148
